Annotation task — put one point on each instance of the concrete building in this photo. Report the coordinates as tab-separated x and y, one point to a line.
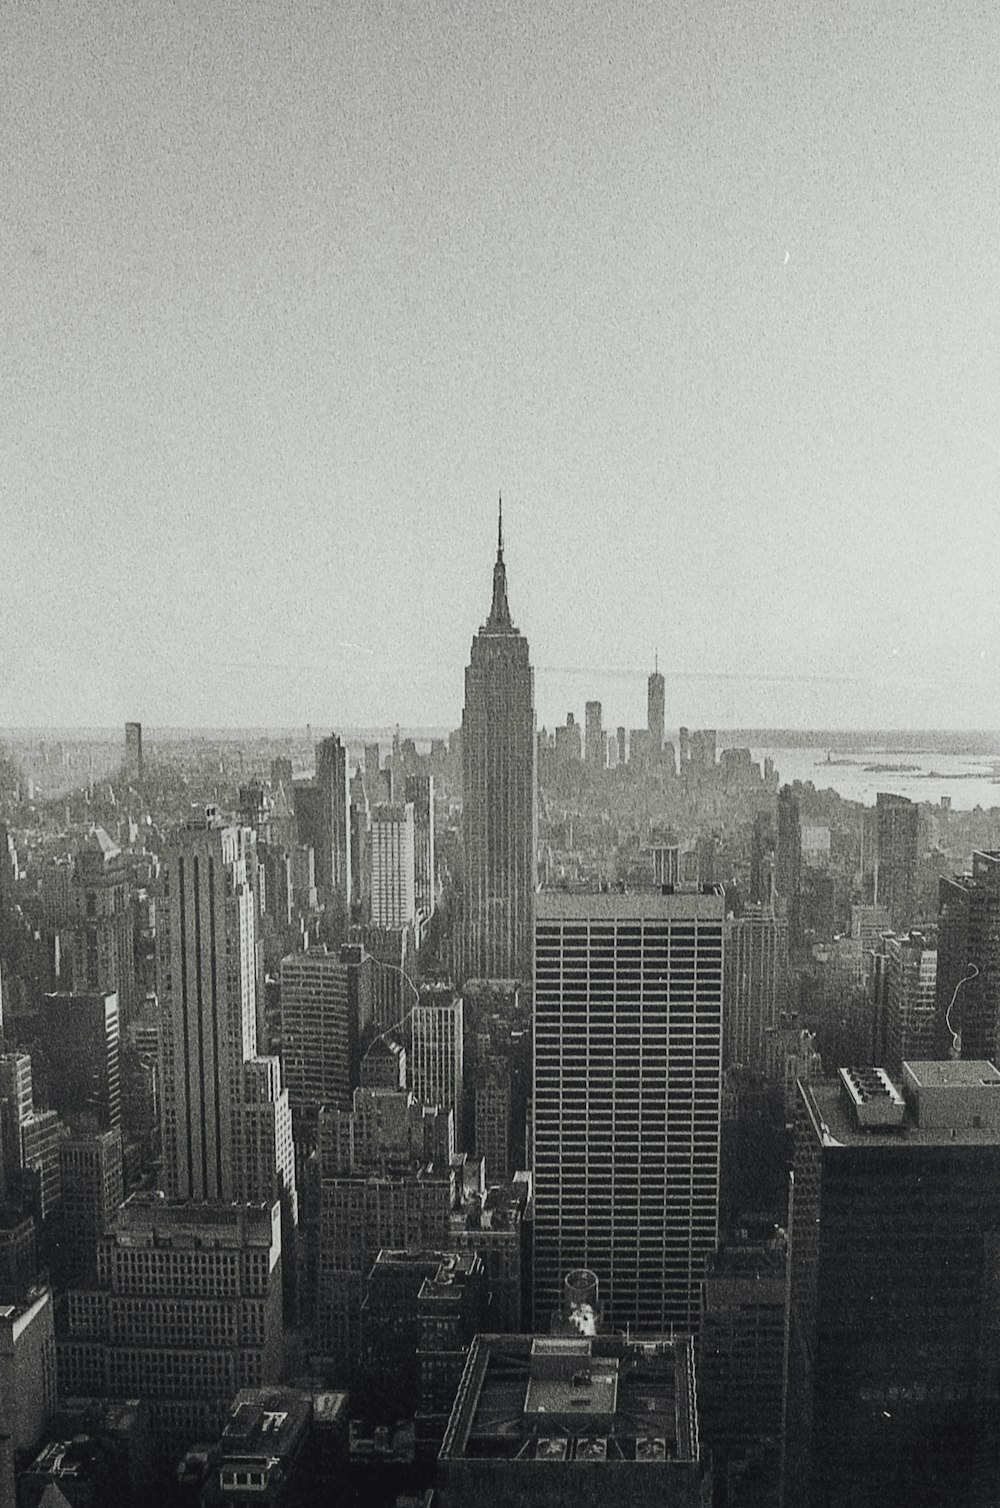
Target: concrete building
186	1310
93	1191
211	1078
27	1380
323	820
325	1008
263	1456
968	965
755	985
788	862
627	1087
499	796
393	885
102	923
82	1040
894	1361
571	1422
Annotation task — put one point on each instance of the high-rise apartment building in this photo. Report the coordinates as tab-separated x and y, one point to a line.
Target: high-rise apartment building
627	1087
894	1362
420	793
209	1069
436	1062
755	982
655	703
82	1036
593	736
499	801
133	752
896	876
968	964
393	887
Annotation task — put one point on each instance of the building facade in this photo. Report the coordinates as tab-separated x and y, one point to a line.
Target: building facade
393	873
627	1091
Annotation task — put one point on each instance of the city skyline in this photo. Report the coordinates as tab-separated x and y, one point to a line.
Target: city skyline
306	288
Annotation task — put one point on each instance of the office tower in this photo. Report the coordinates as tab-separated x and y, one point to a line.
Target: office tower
361	851
741	1366
569	746
639	748
93	1190
393	899
133	752
755	982
497	1227
383	1066
373	773
968	966
499	811
910	993
593	736
185	1310
436	1061
281	775
762	860
654	705
894	1366
323	820
102	922
709	739
868	923
621	737
788	861
30	1138
627	1084
81	1037
325	1008
554	1420
420	794
896	875
207	984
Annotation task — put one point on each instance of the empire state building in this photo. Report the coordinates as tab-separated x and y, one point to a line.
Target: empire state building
500	819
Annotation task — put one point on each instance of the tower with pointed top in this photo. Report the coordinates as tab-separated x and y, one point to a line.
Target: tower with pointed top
500	822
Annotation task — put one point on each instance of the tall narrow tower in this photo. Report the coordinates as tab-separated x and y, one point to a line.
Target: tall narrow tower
500	821
655	704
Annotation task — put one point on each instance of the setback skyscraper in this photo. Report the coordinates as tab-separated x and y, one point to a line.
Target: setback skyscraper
499	815
655	706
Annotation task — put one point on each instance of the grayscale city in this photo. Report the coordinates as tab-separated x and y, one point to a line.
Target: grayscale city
499	754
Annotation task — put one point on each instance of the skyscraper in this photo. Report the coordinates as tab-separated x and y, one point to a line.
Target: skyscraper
102	922
655	701
333	856
499	810
206	976
436	1061
910	981
756	970
594	749
133	752
82	1047
420	792
393	888
788	861
968	963
897	857
627	1085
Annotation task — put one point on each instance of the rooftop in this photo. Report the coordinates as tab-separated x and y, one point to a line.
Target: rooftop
942	1104
555	1398
152	1220
632	905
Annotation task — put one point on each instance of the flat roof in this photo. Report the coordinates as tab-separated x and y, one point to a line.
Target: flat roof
835	1126
957	1073
632	905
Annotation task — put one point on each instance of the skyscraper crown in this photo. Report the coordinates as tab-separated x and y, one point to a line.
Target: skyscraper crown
499	620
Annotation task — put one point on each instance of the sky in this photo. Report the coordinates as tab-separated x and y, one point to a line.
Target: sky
289	293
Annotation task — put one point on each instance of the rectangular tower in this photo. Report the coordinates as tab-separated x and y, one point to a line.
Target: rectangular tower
896	878
627	1085
393	886
420	792
436	1061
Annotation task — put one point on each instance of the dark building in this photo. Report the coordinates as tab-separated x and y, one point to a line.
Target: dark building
762	860
894	1349
788	861
133	752
967	989
419	791
655	702
81	1040
263	1455
741	1367
896	875
499	803
323	820
102	922
567	1422
93	1190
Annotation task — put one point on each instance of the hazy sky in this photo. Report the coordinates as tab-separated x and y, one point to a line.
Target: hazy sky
711	289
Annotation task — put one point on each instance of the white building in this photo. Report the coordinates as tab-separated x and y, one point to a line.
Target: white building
393	889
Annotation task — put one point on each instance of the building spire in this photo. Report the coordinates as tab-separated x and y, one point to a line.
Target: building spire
499	620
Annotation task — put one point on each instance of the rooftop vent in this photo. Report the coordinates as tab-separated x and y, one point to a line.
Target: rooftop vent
872	1097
